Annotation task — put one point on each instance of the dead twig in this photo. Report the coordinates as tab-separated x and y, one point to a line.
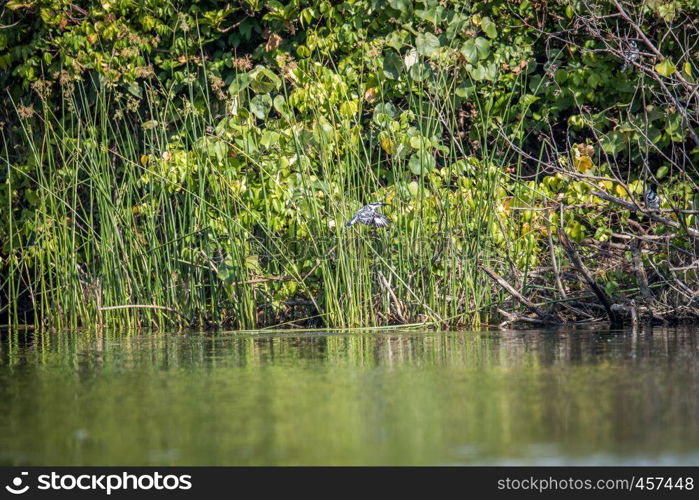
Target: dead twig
554	263
518	318
398	306
541	313
577	262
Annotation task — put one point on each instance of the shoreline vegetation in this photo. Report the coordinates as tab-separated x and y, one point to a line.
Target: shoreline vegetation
194	166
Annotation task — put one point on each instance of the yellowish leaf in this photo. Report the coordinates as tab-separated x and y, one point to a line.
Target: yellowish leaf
582	157
583	164
389	146
665	67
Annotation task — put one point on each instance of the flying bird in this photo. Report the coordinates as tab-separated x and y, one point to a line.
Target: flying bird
370	216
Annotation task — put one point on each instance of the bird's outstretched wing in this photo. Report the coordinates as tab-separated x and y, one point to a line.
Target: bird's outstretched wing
380	220
352	221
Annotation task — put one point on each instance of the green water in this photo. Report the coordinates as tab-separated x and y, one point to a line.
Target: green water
576	397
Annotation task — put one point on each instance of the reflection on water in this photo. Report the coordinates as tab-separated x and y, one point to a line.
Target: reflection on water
520	397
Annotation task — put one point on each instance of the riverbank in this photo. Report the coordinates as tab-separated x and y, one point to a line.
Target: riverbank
154	175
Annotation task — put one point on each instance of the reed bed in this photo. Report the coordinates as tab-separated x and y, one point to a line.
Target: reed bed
145	222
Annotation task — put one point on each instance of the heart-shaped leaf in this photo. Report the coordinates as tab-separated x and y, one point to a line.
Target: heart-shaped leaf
281	106
421	162
488	27
392	66
426	44
465	89
665	67
263	80
475	49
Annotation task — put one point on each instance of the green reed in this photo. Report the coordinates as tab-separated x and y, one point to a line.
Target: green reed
115	238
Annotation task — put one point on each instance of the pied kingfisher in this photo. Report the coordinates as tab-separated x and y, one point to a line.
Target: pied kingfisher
651	199
370	216
631	55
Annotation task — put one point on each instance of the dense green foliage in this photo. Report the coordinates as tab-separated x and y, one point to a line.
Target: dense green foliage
203	156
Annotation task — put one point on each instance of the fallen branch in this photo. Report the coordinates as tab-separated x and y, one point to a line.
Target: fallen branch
518	318
669	315
577	262
541	313
690	267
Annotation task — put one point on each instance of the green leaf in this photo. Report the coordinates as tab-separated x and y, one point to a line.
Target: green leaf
527	100
419	143
490	71
397	39
401	5
434	15
239	83
662	172
392	66
384	113
426	44
475	48
488	27
469	51
654	134
281	106
260	105
613	142
263	80
665	67
219	149
421	162
302	51
135	89
269	138
477	72
465	89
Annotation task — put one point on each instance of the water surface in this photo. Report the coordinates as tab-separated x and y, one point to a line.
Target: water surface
527	397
